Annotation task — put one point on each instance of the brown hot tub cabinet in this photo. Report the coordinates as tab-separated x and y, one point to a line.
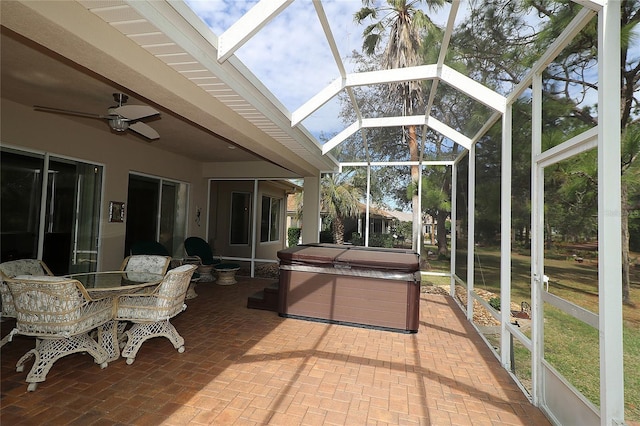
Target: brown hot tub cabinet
366	287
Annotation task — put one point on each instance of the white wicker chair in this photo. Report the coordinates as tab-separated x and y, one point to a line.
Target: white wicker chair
150	312
151	263
14	268
60	314
11	269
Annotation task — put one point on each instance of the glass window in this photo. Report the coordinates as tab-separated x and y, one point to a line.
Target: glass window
240	217
21	177
270	219
156	210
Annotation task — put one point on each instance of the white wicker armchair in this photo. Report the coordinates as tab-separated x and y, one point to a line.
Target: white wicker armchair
60	314
151	263
11	269
14	268
150	312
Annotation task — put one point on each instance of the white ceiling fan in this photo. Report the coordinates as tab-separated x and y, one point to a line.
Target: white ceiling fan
120	117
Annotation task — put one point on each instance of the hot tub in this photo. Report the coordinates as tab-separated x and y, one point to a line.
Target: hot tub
366	287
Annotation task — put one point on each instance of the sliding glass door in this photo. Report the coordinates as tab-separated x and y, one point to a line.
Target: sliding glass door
156	211
61	227
20	204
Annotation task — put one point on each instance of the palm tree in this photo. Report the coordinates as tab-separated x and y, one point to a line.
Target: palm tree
339	199
404	25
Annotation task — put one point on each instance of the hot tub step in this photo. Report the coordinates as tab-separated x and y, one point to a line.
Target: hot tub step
266	299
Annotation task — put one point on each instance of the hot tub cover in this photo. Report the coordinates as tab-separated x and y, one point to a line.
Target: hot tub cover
352	257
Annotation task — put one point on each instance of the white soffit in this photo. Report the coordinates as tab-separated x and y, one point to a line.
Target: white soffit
153	26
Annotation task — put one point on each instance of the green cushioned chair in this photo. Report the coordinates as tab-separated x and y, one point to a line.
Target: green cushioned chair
196	246
149	247
200	249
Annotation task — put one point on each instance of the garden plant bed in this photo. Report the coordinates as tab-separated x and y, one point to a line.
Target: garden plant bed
481	316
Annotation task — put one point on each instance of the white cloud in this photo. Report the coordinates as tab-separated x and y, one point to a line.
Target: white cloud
291	55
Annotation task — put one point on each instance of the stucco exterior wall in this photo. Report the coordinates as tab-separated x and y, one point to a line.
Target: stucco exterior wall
119	154
220	218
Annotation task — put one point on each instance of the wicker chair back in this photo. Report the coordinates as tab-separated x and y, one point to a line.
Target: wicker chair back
153	264
56	307
14	268
165	302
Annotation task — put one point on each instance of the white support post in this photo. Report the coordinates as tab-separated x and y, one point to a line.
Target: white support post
610	217
366	231
420	238
454	228
43	202
471	219
256	225
537	244
505	238
311	210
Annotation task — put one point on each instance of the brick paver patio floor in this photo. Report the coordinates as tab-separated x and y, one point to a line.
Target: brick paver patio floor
251	367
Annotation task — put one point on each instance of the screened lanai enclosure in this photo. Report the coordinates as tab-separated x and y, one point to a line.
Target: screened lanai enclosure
459	122
518	120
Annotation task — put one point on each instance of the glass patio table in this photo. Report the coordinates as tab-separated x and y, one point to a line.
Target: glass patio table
113	284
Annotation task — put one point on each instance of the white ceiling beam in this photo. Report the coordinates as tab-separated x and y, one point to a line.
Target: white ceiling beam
324	22
595	5
397	163
486	126
473	89
449	133
419	120
340	137
423	72
575	26
455	4
413	120
248	25
319	99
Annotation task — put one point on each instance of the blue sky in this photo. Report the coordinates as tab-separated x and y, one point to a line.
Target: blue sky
291	55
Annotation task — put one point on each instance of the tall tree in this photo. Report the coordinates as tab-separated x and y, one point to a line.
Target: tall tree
499	45
339	199
402	24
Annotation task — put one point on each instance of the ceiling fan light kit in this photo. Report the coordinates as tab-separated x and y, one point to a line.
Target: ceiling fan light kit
119	124
120	118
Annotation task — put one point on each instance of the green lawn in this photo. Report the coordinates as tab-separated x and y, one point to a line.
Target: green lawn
570	345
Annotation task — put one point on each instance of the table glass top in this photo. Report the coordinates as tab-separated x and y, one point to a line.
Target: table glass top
116	279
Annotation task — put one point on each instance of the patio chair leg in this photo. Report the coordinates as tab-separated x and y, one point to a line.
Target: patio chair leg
6	339
48	351
26	357
108	340
140	332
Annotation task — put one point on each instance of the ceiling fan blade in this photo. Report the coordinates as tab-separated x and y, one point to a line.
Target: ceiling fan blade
134	112
144	129
68	112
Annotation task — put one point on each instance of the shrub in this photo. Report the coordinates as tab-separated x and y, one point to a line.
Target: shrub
326	237
494	302
380	240
293	236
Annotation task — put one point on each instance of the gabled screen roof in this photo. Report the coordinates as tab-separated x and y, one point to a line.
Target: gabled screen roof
309	56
